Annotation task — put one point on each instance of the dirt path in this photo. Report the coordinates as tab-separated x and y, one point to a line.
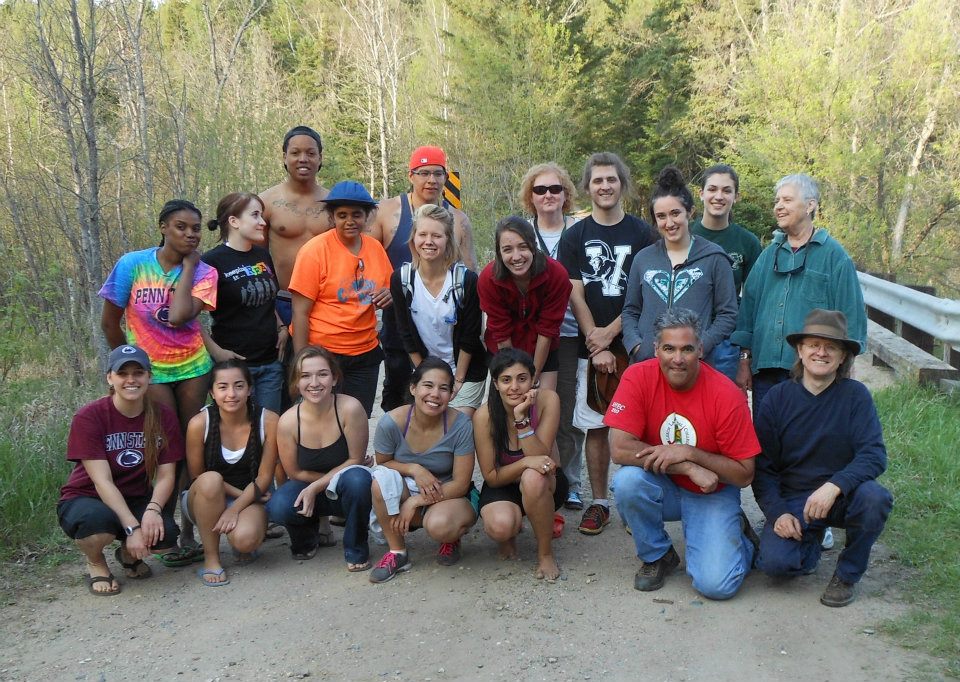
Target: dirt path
482	619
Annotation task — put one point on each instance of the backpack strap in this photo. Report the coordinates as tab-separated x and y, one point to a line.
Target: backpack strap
406	280
459	273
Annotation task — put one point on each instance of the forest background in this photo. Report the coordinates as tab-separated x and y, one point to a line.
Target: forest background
111	107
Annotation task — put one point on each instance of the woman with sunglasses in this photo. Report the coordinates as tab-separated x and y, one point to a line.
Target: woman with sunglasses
340	279
680	271
547	193
437	308
525	295
430	447
515	434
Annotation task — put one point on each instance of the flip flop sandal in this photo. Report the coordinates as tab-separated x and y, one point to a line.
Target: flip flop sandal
181	556
359	568
94	579
327	540
135	570
202	572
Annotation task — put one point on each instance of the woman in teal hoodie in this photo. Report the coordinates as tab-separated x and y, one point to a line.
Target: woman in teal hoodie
678	271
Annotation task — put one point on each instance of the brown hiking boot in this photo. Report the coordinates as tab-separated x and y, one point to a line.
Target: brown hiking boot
650	577
838	592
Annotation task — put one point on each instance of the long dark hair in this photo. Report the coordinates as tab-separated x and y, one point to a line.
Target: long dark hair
525	231
428	363
508	357
212	447
232	206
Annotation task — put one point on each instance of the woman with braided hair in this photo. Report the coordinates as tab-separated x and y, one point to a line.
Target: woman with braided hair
231	455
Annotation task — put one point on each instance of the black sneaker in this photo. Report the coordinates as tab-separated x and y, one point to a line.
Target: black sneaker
838	592
650	576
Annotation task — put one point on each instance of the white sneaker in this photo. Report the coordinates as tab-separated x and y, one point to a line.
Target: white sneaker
827	542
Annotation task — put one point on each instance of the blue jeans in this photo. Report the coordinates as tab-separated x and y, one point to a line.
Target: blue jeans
725	358
354	503
863	514
267	385
718	553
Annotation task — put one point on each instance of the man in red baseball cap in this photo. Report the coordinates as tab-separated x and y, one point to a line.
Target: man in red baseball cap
428	174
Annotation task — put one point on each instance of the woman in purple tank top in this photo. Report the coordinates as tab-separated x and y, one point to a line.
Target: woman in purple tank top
515	434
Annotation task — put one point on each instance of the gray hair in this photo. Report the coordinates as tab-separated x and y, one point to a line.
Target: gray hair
677	318
809	189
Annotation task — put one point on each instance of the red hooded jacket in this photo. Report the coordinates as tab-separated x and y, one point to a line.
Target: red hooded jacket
521	318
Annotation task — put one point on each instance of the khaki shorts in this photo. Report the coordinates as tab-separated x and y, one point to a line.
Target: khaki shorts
469	395
584	418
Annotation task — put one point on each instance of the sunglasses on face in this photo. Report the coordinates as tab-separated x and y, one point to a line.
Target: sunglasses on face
540	190
358	274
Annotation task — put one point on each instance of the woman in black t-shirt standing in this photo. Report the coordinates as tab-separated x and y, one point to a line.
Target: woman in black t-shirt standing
245	324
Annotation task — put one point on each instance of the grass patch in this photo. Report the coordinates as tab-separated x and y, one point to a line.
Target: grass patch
35	417
922	431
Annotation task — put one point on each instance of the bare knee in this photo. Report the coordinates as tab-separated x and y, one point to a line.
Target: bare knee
209	484
500	527
534	484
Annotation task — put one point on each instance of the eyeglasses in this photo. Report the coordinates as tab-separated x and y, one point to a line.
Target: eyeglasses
823	347
436	174
358	274
795	269
540	190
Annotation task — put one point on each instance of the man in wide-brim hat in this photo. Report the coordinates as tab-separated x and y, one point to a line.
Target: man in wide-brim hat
822	451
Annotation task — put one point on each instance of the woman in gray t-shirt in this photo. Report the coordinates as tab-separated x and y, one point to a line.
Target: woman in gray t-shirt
431	446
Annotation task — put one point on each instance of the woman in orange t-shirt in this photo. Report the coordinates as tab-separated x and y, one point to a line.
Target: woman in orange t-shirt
339	280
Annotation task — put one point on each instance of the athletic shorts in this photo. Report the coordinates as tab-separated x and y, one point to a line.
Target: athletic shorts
81	517
511	493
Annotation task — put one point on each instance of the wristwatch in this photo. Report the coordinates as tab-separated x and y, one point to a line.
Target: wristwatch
745	355
129	529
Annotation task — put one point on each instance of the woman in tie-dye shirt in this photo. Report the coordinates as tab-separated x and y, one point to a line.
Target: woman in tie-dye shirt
161	318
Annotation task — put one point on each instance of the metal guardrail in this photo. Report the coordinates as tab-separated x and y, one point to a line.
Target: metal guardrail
939	317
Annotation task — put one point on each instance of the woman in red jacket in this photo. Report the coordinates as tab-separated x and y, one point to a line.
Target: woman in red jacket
524	294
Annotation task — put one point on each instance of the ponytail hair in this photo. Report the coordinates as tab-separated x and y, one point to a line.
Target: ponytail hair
670	183
232	206
154	438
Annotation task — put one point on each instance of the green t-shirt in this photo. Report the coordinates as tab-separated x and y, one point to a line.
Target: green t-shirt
741	245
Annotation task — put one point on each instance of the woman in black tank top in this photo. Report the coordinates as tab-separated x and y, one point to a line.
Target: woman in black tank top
231	454
322	440
515	433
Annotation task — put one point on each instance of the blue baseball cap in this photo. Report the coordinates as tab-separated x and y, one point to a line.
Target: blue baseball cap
350	192
121	355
